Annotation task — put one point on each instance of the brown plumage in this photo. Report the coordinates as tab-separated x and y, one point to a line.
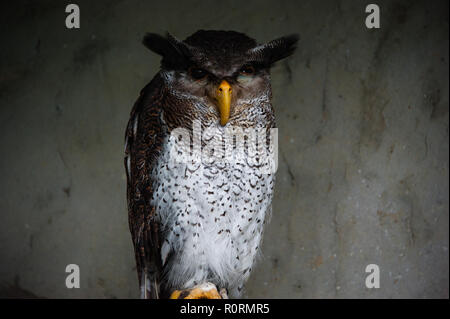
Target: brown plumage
143	144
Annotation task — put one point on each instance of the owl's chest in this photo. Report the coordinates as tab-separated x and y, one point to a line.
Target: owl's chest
209	189
211	213
211	199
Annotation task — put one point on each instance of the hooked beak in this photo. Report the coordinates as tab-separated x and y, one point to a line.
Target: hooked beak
223	95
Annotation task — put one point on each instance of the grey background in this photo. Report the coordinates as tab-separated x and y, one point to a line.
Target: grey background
363	131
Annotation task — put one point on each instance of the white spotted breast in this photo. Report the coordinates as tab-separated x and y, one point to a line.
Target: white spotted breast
211	215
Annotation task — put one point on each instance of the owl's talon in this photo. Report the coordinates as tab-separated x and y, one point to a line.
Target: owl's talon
223	293
206	290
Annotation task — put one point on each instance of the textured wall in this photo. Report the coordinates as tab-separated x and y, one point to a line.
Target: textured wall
363	129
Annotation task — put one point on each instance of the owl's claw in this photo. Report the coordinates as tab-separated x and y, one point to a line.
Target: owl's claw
223	293
206	290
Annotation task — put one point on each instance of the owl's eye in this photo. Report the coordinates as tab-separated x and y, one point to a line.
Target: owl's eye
197	73
247	70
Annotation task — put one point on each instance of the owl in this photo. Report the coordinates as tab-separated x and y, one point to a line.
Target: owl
197	221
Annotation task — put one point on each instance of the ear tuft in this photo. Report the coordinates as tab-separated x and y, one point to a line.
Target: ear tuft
173	51
156	43
275	50
283	47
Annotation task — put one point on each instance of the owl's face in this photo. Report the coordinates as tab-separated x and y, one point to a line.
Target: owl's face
224	72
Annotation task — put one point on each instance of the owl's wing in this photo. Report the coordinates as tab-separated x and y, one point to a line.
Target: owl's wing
143	141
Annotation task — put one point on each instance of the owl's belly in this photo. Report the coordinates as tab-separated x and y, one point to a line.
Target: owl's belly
212	218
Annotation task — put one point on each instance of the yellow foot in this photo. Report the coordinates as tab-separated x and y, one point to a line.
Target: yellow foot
206	290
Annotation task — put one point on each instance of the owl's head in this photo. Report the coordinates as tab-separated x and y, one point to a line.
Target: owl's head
225	71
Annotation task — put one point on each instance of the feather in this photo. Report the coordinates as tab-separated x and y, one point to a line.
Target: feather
143	141
175	53
274	50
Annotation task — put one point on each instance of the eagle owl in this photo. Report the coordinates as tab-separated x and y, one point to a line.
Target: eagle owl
200	221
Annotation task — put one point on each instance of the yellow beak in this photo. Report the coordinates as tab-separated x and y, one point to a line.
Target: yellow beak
223	95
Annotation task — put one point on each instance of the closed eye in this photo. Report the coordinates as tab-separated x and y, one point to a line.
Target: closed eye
247	70
197	73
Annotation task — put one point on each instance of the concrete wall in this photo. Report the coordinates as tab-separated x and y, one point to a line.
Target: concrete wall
363	130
